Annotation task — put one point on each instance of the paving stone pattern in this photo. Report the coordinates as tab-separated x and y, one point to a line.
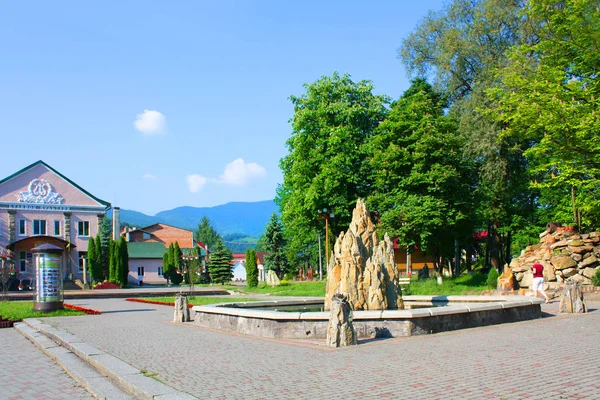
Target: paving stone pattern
552	358
27	373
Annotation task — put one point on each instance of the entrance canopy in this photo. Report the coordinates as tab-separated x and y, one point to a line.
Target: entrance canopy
35	241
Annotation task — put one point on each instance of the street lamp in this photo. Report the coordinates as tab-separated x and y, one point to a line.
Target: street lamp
326	215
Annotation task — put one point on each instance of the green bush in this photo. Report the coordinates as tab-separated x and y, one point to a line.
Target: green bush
492	278
284	283
176	279
596	277
202	279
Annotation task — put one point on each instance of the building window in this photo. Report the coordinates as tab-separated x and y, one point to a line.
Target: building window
82	261
145	236
160	271
84	228
22	261
22	230
140	271
39	226
56	228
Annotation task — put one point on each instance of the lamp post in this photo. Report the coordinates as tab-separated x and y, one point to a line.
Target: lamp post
326	215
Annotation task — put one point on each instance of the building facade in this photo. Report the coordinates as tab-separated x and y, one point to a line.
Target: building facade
39	205
146	247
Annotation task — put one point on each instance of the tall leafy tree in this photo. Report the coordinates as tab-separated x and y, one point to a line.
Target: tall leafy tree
251	268
423	182
219	264
275	247
550	98
460	47
206	234
327	162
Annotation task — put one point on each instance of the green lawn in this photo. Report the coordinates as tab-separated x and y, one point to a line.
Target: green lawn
200	300
463	285
313	289
19	310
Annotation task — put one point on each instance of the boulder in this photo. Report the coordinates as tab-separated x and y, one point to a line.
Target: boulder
559	244
571	300
595	234
576	257
182	310
575	242
580	249
568	272
590	261
526	280
589	272
549	271
506	281
562	261
272	279
340	331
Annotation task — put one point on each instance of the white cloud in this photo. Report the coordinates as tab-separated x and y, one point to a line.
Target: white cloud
239	172
151	122
195	182
149	177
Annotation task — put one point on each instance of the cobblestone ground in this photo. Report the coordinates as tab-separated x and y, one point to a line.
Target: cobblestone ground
551	358
27	373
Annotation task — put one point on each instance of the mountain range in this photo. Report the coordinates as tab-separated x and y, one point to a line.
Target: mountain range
248	219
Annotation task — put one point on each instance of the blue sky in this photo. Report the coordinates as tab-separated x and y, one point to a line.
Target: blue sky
153	105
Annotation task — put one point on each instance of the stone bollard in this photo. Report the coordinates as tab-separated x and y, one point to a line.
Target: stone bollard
182	311
340	332
571	300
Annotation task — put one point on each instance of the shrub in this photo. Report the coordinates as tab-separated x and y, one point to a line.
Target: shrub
176	278
203	279
492	278
284	283
596	277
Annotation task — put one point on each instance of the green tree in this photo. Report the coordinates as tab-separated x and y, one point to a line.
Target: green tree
176	256
124	263
422	180
170	268
105	234
327	166
275	247
100	256
206	234
219	264
550	99
461	47
251	268
93	261
113	262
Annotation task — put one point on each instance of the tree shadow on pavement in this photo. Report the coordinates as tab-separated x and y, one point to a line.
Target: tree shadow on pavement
126	311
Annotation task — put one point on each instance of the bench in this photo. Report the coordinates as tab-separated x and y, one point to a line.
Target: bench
404	281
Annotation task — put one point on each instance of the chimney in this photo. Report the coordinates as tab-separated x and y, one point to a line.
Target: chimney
116	222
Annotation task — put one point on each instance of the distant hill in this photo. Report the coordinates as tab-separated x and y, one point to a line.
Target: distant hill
237	217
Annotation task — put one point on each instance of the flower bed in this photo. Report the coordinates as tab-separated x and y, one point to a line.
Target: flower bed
82	309
162	303
107	285
6	323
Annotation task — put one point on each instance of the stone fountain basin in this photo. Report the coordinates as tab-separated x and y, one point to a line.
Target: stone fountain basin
446	314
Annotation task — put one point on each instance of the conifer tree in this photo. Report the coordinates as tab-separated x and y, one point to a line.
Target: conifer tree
275	245
169	268
124	257
112	262
251	268
99	258
94	265
219	264
165	266
177	253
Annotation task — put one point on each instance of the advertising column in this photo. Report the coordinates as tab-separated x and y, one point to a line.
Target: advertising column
48	275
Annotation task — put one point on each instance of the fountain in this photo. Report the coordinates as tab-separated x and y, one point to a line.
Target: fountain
363	271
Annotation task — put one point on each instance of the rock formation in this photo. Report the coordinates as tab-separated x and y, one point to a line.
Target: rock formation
565	254
340	331
506	281
272	279
362	267
571	300
182	310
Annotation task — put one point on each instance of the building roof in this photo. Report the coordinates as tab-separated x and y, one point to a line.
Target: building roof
170	226
146	249
40	162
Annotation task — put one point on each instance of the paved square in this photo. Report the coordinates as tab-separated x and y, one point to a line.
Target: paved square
551	358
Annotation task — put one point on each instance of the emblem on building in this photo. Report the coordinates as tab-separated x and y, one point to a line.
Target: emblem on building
40	192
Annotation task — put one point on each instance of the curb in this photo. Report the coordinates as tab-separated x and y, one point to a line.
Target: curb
103	375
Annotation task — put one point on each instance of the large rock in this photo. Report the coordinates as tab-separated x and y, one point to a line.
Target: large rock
562	261
590	261
549	273
526	280
571	300
340	331
589	272
272	279
362	267
506	281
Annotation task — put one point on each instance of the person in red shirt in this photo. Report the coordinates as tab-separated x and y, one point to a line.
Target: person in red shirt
538	281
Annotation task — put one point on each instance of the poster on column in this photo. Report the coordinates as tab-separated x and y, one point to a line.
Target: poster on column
48	278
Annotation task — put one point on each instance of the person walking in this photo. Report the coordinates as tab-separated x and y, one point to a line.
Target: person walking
538	281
